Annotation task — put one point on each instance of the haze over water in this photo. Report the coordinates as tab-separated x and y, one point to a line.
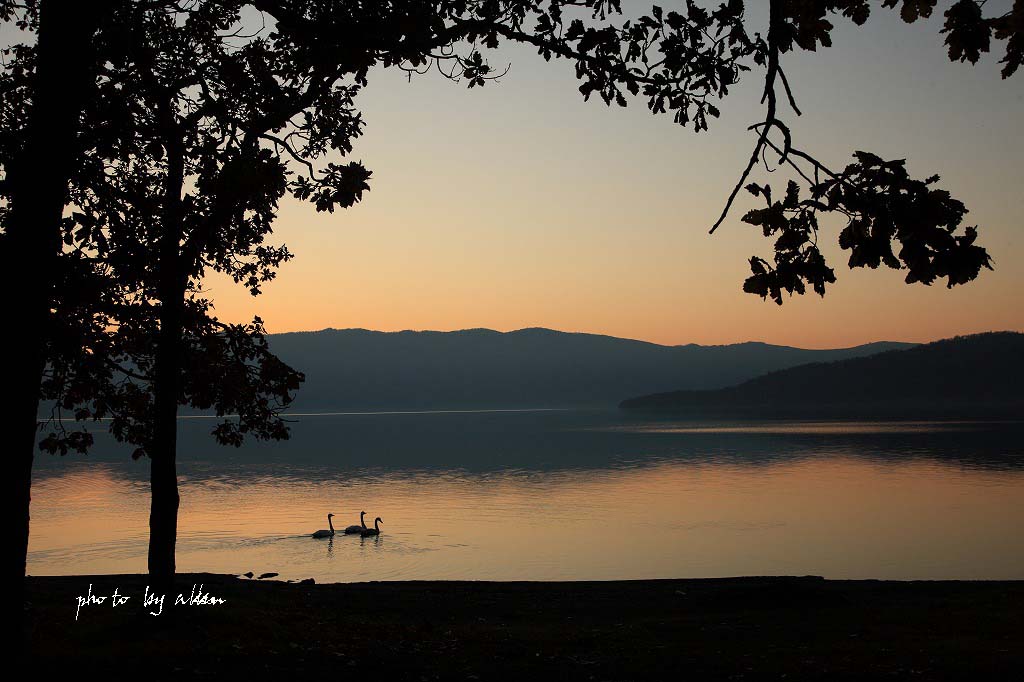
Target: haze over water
558	495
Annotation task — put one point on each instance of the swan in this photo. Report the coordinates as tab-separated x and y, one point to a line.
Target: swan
326	533
352	530
372	531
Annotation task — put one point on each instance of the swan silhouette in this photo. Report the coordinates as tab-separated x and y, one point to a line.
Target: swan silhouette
326	533
372	531
352	530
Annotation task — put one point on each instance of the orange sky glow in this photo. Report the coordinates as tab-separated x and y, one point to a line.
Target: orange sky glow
520	205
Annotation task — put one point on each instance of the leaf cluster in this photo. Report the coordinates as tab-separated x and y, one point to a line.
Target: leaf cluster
883	207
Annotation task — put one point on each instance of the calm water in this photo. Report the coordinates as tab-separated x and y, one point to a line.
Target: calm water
558	495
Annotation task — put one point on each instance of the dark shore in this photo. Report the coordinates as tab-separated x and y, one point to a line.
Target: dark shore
735	628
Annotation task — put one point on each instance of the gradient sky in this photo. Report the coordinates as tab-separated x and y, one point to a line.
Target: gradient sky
520	205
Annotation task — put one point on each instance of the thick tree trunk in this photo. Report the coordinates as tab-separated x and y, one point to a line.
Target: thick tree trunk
38	189
163	514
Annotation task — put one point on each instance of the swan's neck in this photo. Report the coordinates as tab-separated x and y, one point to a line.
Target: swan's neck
376	525
362	519
330	524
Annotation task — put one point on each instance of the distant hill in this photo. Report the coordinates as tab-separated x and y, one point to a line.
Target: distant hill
977	375
356	369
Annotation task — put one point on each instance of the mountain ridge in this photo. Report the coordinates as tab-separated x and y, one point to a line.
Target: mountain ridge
963	374
559	332
526	368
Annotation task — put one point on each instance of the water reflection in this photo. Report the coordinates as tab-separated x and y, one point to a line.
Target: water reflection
560	440
562	496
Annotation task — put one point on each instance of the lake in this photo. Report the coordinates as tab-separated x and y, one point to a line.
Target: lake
557	495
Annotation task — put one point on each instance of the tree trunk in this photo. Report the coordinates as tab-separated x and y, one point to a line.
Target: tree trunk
163	514
38	190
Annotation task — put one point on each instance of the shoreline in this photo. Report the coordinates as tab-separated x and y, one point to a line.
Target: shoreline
220	578
739	628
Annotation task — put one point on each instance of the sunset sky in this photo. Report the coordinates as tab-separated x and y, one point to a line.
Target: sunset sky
520	205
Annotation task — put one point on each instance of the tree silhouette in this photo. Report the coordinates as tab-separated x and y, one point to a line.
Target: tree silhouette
41	101
196	127
186	163
185	178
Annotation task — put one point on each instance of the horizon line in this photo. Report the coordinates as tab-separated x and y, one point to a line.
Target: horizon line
624	338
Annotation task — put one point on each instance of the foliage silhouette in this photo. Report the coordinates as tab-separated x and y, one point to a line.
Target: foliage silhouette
682	61
184	163
209	125
186	179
